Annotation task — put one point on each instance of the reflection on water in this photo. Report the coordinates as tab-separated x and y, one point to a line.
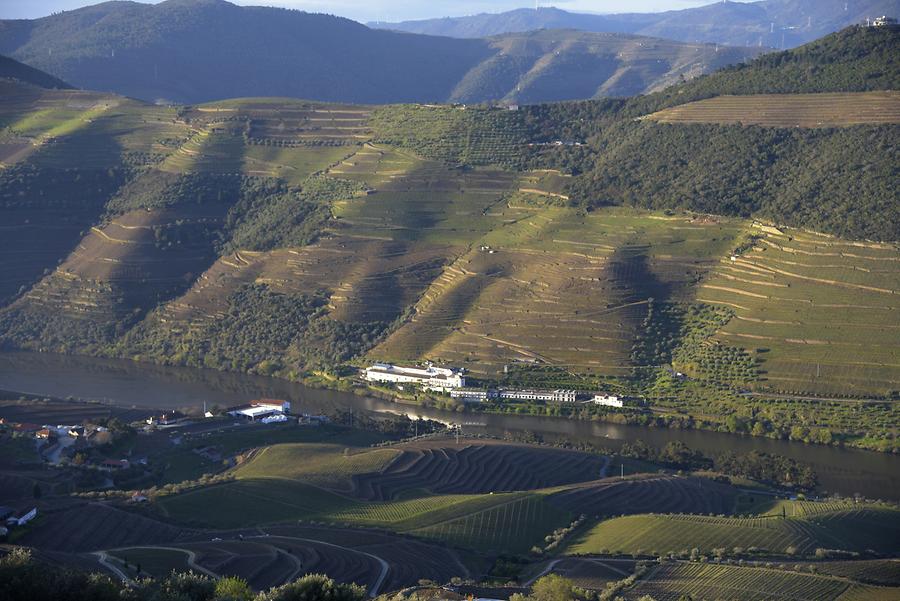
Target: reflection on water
130	384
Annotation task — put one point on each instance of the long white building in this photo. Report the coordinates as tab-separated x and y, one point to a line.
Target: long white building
529	394
434	378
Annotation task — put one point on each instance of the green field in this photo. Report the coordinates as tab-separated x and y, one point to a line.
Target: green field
855	530
703	581
320	465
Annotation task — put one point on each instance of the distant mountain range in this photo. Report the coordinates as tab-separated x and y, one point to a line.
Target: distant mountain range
772	23
200	50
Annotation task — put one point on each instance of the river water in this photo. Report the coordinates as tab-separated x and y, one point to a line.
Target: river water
129	384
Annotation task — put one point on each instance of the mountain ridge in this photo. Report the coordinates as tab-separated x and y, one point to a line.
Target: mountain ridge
192	51
772	23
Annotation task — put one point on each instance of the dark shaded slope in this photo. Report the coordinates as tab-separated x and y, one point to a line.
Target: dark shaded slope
13	69
196	50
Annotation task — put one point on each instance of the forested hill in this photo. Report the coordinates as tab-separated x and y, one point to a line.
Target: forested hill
841	180
772	23
192	51
13	69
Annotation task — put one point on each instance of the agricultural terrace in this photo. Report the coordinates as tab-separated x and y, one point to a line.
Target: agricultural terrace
820	312
562	288
592	573
378	561
789	110
319	482
855	530
641	494
704	581
476	468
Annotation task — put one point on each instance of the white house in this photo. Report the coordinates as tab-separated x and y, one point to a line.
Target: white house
607	400
440	379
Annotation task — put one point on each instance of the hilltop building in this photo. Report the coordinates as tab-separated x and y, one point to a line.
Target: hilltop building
884	21
430	377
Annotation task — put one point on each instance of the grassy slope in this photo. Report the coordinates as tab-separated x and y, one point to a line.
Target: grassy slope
853	530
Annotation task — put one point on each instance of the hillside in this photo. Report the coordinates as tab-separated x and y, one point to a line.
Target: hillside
13	69
762	170
201	50
769	23
286	237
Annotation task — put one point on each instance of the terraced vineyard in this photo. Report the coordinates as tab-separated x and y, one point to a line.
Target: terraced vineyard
660	494
561	289
479	468
857	530
703	581
818	310
789	110
89	527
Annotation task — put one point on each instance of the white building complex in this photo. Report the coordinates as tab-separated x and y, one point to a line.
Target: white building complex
607	400
440	379
263	410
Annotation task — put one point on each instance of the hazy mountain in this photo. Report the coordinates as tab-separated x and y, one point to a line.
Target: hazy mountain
773	23
13	69
199	50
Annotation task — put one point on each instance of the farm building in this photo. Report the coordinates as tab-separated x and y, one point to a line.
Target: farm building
607	400
261	410
531	394
431	377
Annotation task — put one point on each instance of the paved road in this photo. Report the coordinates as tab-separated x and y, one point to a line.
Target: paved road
104	560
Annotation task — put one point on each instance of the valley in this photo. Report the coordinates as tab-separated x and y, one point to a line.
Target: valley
639	345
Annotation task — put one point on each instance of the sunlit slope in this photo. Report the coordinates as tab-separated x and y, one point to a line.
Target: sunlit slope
789	110
560	287
825	312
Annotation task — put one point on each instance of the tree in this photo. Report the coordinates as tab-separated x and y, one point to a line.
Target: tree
314	587
233	589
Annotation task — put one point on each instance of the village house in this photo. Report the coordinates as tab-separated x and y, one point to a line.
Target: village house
115	464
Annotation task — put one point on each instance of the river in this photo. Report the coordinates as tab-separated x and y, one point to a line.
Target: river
142	385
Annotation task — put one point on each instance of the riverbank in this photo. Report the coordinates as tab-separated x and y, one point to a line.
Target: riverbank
128	384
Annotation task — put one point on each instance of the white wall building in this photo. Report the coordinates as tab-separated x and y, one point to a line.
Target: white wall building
607	400
529	394
261	409
431	377
473	395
